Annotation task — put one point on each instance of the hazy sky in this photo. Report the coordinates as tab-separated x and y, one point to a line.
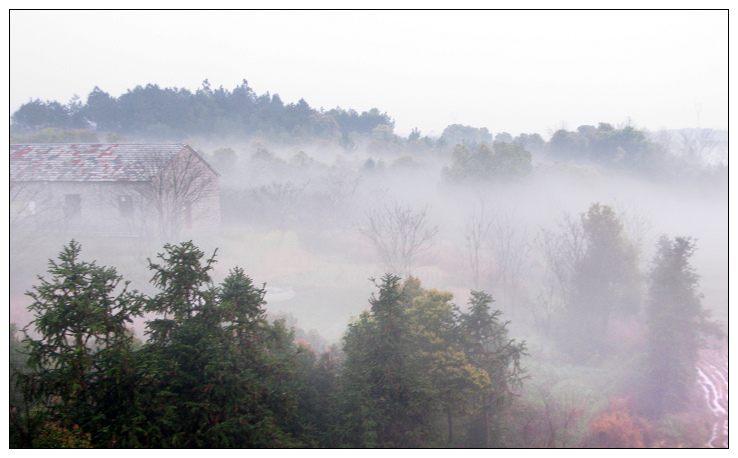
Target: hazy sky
513	71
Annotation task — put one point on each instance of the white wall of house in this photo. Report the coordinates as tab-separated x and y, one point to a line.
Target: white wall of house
102	208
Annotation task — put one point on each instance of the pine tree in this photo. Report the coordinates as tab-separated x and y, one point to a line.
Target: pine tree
379	387
677	325
488	347
81	365
216	373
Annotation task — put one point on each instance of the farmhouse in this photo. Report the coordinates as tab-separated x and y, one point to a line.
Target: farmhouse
164	190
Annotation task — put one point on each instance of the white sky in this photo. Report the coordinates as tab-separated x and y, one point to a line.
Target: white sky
514	71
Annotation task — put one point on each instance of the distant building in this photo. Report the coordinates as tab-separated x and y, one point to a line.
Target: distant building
166	190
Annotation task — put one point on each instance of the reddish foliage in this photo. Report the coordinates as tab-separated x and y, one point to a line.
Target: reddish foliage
617	427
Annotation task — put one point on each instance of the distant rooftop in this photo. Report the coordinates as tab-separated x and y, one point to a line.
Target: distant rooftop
90	162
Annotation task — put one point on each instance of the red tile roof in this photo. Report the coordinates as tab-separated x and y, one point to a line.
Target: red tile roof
91	162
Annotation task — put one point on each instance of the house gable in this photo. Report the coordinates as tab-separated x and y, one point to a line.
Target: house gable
115	189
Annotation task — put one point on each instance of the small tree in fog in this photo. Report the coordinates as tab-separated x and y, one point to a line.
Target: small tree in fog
400	233
476	233
340	189
677	324
279	202
510	248
563	250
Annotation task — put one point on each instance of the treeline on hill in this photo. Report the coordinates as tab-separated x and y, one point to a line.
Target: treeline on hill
174	114
413	370
152	113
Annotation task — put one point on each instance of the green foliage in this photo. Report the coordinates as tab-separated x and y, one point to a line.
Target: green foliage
173	114
351	121
416	368
379	389
184	281
83	353
384	140
37	114
530	142
21	427
205	373
54	435
215	373
504	161
626	148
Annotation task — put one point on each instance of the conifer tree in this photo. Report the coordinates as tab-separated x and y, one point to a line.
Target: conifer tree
677	325
81	363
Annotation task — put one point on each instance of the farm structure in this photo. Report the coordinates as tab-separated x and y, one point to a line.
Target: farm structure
160	189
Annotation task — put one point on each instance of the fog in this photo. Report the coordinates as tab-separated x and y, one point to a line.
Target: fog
316	223
291	217
604	247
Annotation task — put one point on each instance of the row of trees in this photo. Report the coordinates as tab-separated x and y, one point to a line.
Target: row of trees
176	114
152	113
413	370
594	277
214	372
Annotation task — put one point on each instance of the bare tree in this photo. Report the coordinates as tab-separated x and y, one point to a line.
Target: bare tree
510	248
563	250
178	193
636	225
476	235
706	144
340	191
546	306
548	421
279	201
400	233
698	144
34	214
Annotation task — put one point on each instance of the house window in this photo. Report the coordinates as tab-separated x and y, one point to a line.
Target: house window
72	205
125	206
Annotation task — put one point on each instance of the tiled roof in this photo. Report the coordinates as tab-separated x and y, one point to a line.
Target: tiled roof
90	162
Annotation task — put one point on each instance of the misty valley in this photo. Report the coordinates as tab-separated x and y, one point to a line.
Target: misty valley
221	269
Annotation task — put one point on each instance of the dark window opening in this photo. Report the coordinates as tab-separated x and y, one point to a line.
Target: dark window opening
72	205
125	206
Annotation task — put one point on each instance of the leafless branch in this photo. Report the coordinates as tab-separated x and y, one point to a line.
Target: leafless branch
400	233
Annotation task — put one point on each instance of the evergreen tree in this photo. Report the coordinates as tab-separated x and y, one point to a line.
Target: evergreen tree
488	347
607	282
677	326
380	390
416	369
81	364
209	382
